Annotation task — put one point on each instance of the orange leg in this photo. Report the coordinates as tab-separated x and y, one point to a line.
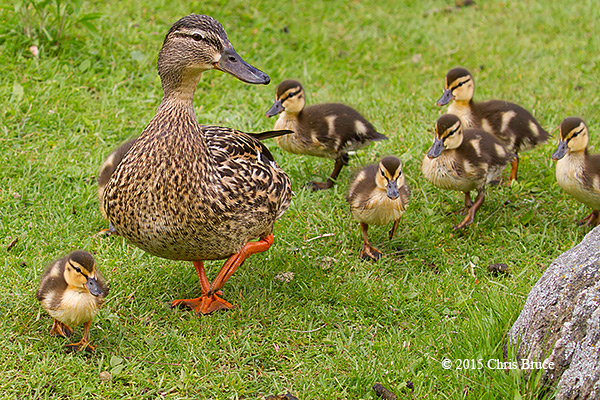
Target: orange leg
84	343
513	172
339	164
60	329
210	301
473	210
368	252
591	220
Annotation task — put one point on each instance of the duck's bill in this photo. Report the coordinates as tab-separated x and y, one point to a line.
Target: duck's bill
92	286
392	190
560	151
275	109
436	149
233	64
446	98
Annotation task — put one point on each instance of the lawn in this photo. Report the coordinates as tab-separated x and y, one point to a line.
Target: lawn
339	324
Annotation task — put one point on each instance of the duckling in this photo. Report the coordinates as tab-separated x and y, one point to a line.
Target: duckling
72	291
577	171
378	195
192	192
324	130
516	128
464	160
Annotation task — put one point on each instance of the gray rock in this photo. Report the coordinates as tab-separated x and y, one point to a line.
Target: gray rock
560	323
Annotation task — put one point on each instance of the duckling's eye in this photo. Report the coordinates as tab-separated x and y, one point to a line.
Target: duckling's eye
197	37
462	83
291	95
577	133
77	269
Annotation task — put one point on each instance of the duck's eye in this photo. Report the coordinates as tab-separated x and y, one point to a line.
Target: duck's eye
576	133
462	83
197	37
77	269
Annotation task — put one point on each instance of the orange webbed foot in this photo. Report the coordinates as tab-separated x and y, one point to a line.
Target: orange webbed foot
204	305
61	330
370	253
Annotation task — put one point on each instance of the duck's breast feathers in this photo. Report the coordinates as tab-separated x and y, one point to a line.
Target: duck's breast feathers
338	126
513	124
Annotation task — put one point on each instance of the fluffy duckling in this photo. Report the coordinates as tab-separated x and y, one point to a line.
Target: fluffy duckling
464	160
328	130
577	171
378	196
516	128
186	191
72	291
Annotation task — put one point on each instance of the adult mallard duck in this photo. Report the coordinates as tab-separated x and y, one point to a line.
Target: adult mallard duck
72	291
327	130
577	171
464	160
516	128
186	191
378	195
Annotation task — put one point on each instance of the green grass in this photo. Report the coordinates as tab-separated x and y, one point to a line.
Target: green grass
341	324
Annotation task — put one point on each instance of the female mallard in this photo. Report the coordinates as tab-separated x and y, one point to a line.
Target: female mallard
72	291
378	196
327	130
513	125
186	191
464	160
577	171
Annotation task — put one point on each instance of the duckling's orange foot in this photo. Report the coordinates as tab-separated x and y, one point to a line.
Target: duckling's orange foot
204	305
591	220
314	186
61	330
108	231
370	253
79	346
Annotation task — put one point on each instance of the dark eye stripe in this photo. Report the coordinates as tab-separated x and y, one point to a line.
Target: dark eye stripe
462	83
291	95
577	133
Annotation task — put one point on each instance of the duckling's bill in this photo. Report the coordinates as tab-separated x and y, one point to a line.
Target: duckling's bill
436	149
561	150
92	285
446	98
232	63
275	109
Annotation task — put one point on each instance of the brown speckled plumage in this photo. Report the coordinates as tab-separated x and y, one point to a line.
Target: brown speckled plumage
187	191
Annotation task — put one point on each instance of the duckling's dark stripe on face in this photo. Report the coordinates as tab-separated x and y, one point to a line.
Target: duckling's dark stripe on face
76	268
460	84
291	95
576	133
